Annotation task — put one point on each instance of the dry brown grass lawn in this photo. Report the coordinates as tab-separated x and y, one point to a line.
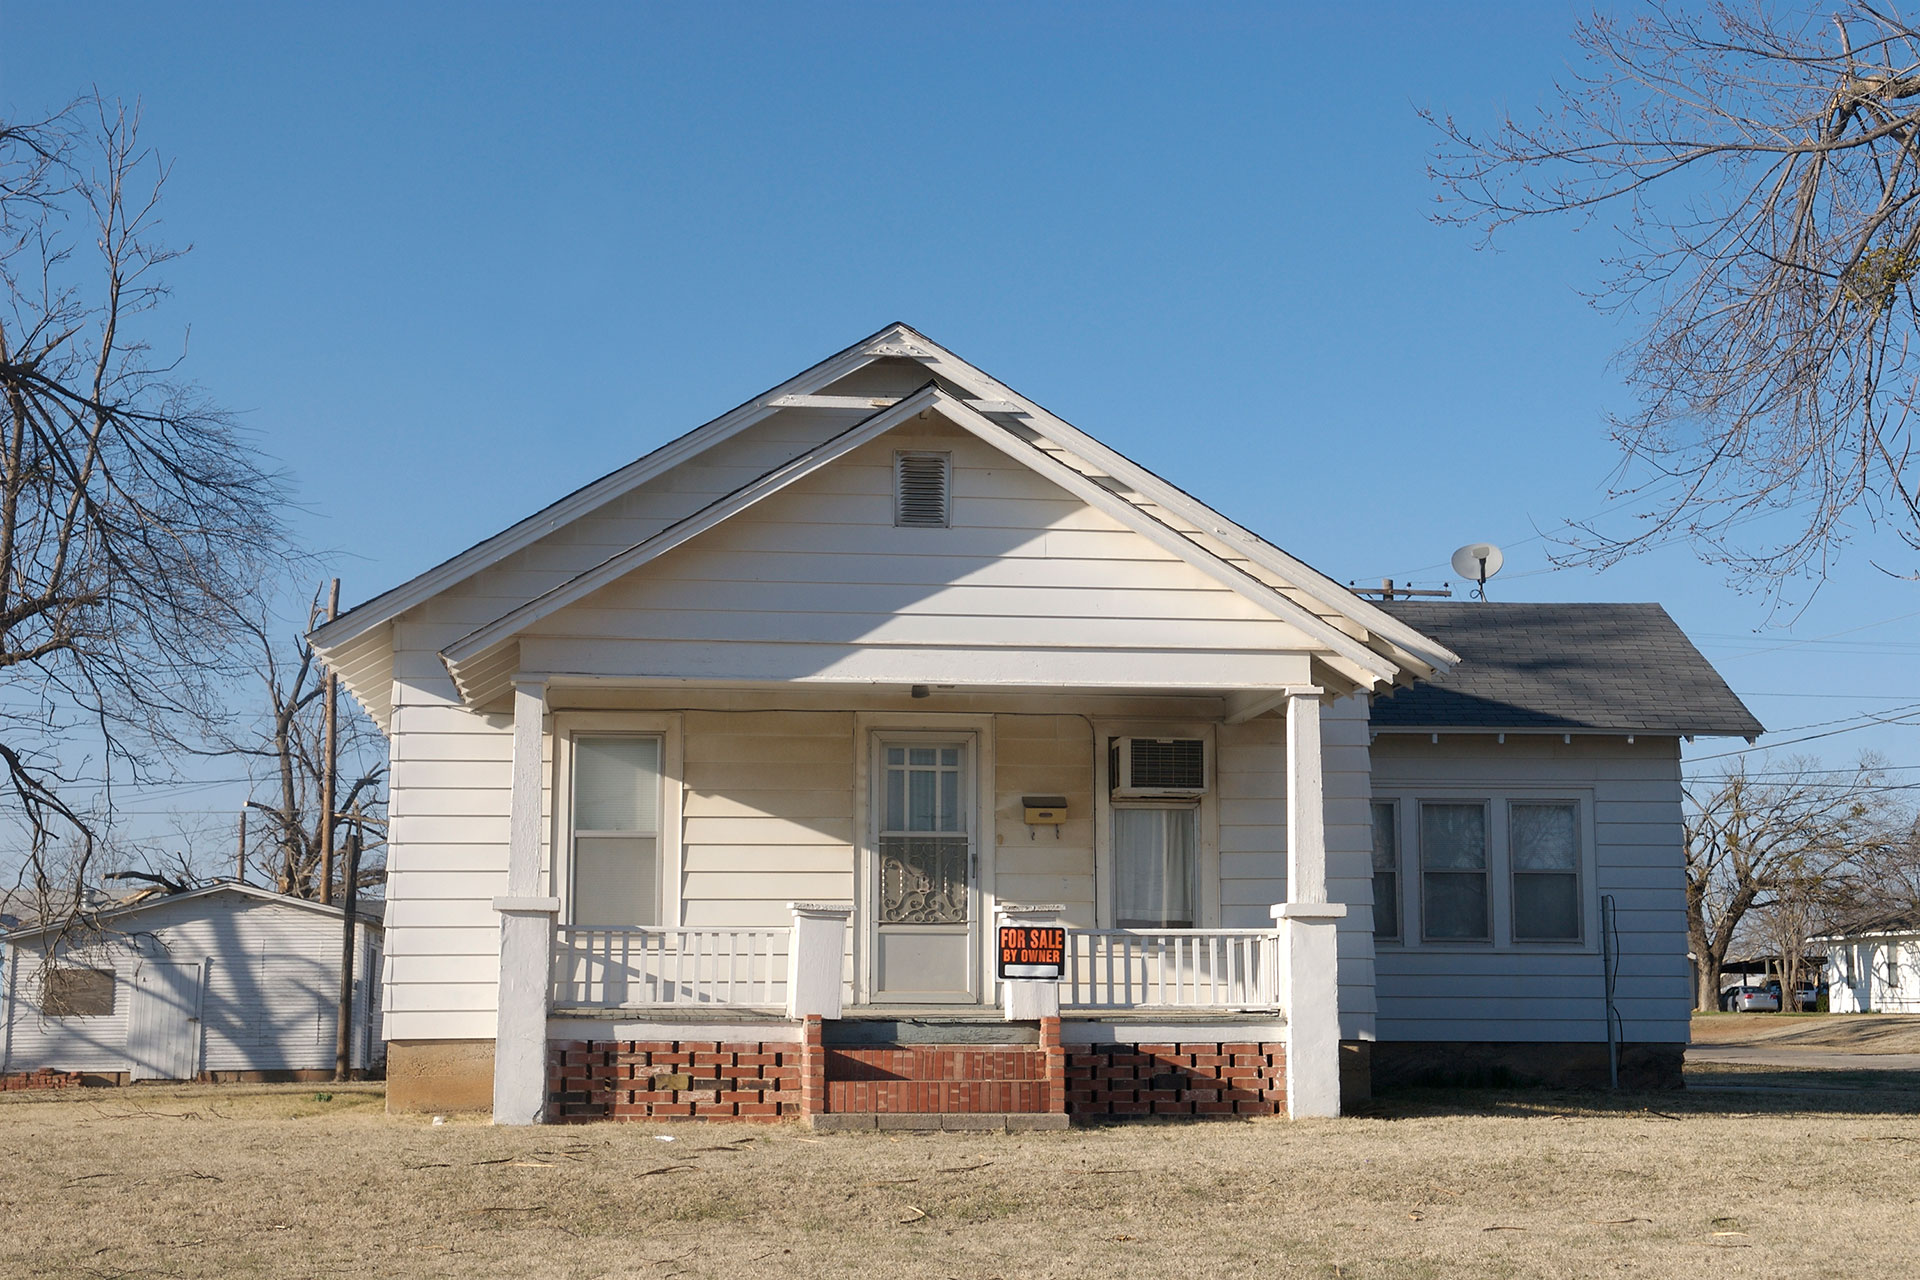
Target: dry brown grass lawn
1840	1032
269	1181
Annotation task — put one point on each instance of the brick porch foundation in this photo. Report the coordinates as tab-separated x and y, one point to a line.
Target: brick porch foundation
775	1080
1192	1078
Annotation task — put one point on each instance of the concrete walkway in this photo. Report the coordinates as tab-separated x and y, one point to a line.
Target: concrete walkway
1802	1059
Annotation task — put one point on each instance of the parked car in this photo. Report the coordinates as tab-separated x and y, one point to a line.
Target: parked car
1749	1000
1806	997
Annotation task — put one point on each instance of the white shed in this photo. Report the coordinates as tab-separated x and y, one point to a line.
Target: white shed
226	982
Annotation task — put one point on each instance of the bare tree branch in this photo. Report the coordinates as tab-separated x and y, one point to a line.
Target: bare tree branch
135	519
1763	167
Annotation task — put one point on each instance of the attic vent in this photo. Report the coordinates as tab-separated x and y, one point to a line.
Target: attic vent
1159	766
921	482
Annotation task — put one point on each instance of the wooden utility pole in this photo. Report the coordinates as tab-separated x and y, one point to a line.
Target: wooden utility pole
350	902
331	769
240	854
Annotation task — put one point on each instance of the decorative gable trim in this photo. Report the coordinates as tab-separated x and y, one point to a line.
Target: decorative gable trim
475	660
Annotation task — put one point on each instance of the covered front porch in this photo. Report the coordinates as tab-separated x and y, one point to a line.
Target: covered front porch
890	998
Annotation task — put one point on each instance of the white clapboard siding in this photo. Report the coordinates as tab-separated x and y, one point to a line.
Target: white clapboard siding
270	983
1547	993
845	512
1044	755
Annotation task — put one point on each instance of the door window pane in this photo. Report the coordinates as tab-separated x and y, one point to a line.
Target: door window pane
1386	871
1453	881
924	790
1544	840
1153	867
925	855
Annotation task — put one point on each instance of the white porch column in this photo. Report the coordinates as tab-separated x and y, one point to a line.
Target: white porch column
814	958
1309	924
1306	799
526	930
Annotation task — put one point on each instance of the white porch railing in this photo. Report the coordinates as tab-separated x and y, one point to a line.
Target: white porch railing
637	968
1172	969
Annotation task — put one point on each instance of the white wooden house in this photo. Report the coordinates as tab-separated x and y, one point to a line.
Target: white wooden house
714	781
1874	966
225	982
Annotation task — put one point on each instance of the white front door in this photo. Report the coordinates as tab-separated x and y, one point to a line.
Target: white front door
925	919
163	1021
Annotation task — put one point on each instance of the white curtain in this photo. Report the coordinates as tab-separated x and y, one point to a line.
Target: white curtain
1153	868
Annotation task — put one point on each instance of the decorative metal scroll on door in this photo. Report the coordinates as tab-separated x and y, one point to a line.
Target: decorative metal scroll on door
924	849
923	880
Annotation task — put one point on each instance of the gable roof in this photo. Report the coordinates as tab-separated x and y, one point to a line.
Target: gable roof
358	645
1610	668
118	910
480	673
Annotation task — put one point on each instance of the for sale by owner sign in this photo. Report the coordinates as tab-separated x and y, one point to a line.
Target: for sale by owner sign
1028	951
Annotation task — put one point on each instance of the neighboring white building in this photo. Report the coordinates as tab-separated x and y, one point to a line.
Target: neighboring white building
1874	967
223	982
786	717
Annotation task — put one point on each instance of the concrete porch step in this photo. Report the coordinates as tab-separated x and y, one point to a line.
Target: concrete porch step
960	1121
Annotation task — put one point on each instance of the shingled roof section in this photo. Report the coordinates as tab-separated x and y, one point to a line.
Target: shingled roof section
1610	668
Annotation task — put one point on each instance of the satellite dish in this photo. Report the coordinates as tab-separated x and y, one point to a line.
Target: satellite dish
1478	561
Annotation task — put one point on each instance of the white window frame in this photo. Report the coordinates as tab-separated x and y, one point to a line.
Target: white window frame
1409	795
667	727
1207	849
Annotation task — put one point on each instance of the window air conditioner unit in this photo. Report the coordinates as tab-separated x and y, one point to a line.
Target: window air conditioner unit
1159	767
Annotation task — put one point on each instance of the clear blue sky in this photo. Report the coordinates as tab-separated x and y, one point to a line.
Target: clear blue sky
453	261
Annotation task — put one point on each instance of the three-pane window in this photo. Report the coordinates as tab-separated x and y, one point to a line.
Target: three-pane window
1500	868
616	830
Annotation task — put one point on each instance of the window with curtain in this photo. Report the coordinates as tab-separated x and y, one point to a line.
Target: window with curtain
1386	870
1154	867
616	831
1453	872
1544	850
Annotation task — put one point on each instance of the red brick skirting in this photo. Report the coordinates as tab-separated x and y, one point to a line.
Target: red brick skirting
772	1080
673	1080
44	1078
1112	1081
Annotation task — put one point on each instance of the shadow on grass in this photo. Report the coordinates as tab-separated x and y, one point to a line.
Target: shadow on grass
1709	1091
